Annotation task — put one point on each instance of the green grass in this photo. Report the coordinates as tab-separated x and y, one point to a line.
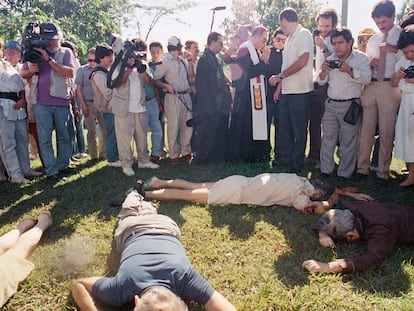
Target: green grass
253	256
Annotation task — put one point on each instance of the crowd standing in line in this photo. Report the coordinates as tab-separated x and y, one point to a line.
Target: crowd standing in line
207	125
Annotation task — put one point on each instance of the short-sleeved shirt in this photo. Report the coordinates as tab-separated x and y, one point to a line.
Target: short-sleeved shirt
262	190
43	95
174	71
152	260
82	79
297	44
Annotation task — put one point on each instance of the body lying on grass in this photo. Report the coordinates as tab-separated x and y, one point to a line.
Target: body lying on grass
266	189
154	273
381	225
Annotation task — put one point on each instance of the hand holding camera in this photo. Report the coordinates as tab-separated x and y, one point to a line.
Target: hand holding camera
409	72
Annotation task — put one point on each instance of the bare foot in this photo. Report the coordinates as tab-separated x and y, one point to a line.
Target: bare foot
44	219
26	223
407	183
153	182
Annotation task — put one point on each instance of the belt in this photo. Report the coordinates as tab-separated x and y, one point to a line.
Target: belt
154	231
181	92
342	100
9	95
385	79
147	98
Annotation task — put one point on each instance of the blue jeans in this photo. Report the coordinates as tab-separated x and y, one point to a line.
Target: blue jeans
154	124
47	117
76	131
111	148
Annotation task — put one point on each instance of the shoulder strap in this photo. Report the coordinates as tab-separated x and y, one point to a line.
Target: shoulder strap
98	68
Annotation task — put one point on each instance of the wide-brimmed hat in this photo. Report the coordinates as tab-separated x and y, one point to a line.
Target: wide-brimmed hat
366	32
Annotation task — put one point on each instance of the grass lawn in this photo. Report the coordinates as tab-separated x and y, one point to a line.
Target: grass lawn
252	256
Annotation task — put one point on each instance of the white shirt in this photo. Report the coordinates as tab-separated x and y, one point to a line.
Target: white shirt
341	84
391	58
136	102
320	57
297	44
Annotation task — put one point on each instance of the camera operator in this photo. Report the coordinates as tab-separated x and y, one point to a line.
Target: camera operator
128	106
51	86
346	71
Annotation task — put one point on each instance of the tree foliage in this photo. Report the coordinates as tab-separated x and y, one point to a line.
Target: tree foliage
152	13
85	23
266	13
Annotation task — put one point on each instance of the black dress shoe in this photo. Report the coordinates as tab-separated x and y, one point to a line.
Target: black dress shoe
140	187
325	175
358	177
68	171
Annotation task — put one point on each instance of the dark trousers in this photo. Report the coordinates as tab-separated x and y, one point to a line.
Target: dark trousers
293	123
317	108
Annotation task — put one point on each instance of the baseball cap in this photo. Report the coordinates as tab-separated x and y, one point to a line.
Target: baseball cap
13	44
174	41
49	31
366	32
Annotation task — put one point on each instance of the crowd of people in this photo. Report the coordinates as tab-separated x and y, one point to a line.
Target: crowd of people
343	98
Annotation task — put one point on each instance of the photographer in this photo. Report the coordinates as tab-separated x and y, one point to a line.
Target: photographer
51	87
128	106
404	129
347	70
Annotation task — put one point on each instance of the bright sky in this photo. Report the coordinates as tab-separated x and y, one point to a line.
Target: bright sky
198	19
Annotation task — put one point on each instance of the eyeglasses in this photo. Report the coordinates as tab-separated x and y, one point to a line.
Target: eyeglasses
362	41
280	40
90	60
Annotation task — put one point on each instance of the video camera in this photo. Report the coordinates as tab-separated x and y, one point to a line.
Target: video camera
32	39
125	50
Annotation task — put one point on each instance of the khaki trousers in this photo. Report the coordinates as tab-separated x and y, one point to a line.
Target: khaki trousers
380	102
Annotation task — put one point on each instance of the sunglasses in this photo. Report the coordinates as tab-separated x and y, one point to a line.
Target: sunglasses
90	60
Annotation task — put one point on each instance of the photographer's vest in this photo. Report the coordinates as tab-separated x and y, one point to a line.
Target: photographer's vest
60	86
99	100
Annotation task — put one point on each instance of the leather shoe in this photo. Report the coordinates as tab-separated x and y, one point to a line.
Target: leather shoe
140	187
68	171
358	177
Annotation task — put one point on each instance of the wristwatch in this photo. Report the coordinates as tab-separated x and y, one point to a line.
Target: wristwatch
49	59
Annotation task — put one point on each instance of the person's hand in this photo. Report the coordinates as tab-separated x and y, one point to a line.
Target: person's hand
319	42
325	66
33	68
326	241
315	266
168	88
20	104
130	62
314	207
265	55
361	196
374	63
85	110
274	79
42	52
278	92
345	67
187	55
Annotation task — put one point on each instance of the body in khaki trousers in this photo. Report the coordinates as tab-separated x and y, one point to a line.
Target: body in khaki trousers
380	102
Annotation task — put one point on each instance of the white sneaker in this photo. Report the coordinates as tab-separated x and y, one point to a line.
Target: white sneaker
115	164
148	164
33	173
20	180
128	171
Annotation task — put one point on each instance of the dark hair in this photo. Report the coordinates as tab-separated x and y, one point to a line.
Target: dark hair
406	38
289	14
408	19
139	43
326	189
213	36
155	44
342	32
328	13
101	51
277	32
188	44
70	45
383	8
